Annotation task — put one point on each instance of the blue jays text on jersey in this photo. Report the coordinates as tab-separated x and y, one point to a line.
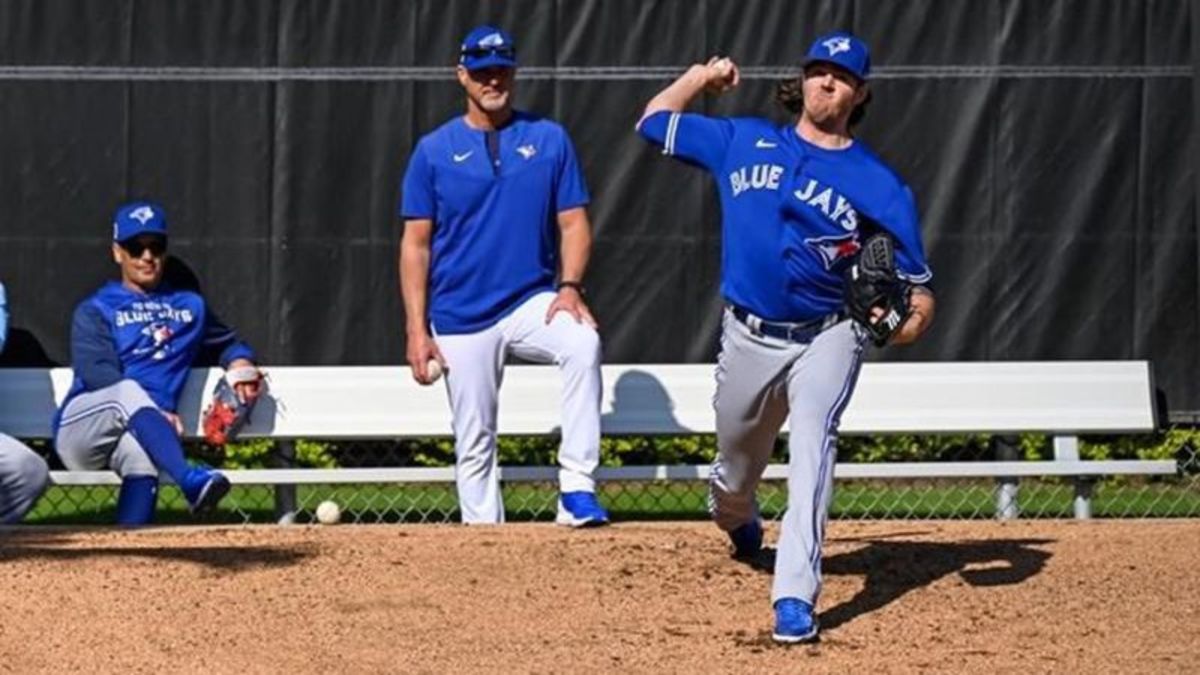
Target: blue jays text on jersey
495	236
792	212
145	312
152	338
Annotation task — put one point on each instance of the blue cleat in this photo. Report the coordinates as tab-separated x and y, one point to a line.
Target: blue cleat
204	489
747	540
580	509
794	621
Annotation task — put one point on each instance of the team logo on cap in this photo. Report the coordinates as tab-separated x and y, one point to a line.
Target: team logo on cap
142	214
496	40
837	45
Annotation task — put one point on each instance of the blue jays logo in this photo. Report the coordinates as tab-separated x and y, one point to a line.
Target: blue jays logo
527	151
834	249
493	40
837	45
142	214
160	334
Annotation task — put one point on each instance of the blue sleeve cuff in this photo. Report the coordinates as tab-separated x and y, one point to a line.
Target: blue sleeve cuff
235	351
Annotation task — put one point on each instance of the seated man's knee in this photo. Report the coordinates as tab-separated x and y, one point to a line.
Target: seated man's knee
36	470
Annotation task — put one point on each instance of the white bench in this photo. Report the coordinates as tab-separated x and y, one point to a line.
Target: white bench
369	402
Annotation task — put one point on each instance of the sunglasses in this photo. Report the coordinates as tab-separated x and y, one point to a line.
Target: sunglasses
480	52
136	247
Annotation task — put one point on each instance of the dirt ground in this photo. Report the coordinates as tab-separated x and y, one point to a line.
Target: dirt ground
1114	596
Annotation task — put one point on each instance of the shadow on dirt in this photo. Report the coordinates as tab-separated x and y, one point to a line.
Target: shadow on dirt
63	547
893	568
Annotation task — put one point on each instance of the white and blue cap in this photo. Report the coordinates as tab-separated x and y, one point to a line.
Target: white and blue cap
843	50
488	47
137	218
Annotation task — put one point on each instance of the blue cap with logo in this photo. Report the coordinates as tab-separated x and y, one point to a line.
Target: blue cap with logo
488	47
136	218
841	49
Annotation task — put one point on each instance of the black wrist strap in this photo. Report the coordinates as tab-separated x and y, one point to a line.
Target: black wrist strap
577	285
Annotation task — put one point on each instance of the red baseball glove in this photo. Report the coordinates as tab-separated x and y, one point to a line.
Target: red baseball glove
230	410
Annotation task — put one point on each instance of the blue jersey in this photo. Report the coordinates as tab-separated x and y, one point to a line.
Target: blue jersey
793	214
495	236
151	338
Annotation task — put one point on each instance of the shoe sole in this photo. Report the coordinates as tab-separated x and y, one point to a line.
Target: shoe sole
567	520
211	495
810	636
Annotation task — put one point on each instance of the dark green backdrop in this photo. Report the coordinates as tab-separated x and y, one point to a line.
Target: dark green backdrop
1050	144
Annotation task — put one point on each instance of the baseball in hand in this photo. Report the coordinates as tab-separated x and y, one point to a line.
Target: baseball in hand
328	512
434	368
723	70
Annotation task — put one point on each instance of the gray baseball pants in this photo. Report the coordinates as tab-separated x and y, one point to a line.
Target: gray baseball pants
761	382
23	478
92	434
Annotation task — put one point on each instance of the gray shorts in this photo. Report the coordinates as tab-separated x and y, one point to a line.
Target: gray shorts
93	434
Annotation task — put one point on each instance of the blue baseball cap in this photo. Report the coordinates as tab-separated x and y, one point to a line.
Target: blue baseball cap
841	49
488	47
136	218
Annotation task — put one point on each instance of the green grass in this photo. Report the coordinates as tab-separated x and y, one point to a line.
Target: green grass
643	501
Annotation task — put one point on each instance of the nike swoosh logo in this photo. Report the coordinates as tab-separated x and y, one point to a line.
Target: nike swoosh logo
463	157
764	144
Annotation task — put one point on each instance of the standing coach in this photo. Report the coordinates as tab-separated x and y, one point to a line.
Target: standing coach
496	242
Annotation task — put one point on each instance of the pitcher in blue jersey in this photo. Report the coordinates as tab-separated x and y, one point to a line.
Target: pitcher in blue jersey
496	242
796	201
132	345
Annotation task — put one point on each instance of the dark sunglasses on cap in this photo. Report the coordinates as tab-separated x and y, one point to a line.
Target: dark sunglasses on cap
135	247
480	52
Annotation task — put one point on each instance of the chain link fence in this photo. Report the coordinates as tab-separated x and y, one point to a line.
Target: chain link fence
1175	496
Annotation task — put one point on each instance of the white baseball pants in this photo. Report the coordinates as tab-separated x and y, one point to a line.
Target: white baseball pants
476	369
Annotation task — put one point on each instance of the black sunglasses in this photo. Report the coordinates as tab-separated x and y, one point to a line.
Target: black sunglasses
479	52
135	247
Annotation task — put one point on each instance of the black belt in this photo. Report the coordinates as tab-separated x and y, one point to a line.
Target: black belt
802	332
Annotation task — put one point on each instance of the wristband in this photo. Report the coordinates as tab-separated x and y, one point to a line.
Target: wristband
577	285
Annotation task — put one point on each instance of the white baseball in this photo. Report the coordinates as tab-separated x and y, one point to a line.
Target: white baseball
328	512
723	67
434	368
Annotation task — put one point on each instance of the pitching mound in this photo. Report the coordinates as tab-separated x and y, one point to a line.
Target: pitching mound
957	597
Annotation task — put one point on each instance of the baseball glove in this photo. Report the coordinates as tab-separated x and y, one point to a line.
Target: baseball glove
876	296
228	413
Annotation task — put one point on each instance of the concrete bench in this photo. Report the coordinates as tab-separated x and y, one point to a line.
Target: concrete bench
1063	399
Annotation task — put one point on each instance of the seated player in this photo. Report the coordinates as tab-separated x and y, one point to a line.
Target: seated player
132	345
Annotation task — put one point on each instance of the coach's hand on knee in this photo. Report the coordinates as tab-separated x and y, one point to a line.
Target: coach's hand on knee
570	300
